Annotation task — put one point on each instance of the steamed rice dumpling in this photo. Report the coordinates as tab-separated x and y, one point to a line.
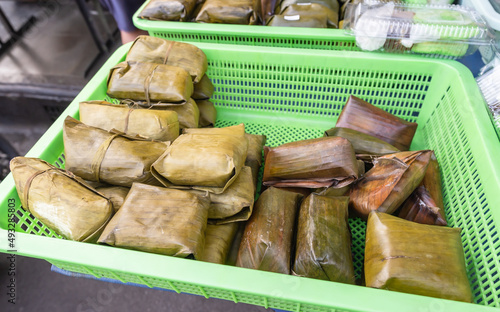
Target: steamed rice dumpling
267	239
97	155
209	162
168	10
173	53
361	116
159	220
311	21
208	113
313	10
363	143
389	183
60	200
116	194
323	240
149	82
314	163
204	89
254	156
415	258
218	241
150	124
188	114
421	208
243	12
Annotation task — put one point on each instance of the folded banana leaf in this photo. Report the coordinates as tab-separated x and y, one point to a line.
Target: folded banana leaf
314	10
305	20
389	183
333	192
332	5
323	248
243	12
254	156
432	182
97	155
237	131
267	239
149	82
203	161
208	113
173	53
362	116
159	220
148	123
415	258
188	114
268	9
218	240
168	10
363	143
314	163
116	194
361	168
204	89
60	200
421	208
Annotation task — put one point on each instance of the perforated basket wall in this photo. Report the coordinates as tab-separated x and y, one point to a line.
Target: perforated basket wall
290	95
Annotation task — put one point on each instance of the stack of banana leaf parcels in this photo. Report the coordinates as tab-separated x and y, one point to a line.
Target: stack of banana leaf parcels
152	174
285	13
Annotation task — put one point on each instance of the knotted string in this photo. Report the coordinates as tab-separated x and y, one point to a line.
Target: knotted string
99	156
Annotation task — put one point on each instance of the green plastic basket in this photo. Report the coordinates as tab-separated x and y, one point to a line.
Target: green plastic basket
294	94
255	35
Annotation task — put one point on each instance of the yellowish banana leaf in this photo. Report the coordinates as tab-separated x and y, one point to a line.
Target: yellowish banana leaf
361	116
150	83
333	192
161	125
237	131
323	248
415	258
97	155
173	53
188	114
363	143
204	89
60	200
218	240
159	220
314	163
116	194
168	10
243	12
235	245
208	113
267	241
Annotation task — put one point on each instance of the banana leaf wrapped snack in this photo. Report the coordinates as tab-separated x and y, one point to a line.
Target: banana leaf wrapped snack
389	183
267	240
232	254
319	12
362	116
147	123
254	156
421	208
97	155
188	114
218	241
323	244
243	12
60	200
314	163
432	183
168	10
159	220
415	258
204	89
297	20
208	113
116	194
204	161
363	143
157	50
149	82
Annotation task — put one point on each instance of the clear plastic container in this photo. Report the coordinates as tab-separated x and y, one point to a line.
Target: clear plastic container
446	31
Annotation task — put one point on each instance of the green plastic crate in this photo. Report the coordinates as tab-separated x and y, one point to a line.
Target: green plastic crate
294	94
255	35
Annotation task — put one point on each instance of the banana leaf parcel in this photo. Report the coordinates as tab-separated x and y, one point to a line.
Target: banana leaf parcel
298	20
323	248
254	156
188	114
173	53
116	194
363	143
60	200
243	12
314	163
148	123
362	116
168	10
421	208
97	155
237	131
389	183
267	241
235	245
415	258
208	162
208	113
149	82
432	183
204	89
218	240
314	10
159	220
